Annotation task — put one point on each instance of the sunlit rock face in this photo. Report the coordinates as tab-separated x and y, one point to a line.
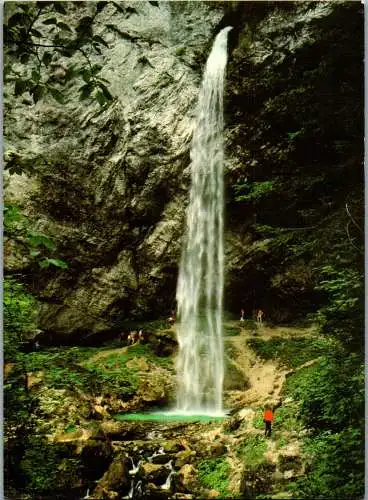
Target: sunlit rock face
112	184
114	192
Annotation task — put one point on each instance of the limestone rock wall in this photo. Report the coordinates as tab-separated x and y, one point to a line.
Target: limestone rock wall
111	185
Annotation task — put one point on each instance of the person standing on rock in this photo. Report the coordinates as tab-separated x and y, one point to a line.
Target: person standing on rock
268	419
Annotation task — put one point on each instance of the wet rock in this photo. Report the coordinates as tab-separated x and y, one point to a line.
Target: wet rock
172	446
212	494
217	449
153	473
115	481
163	343
187	479
289	461
184	457
123	431
257	480
96	457
233	423
162	458
153	390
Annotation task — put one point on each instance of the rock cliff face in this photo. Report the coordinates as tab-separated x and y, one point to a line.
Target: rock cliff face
111	184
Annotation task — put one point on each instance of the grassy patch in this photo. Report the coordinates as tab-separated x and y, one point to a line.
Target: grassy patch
282	442
291	352
287	418
258	419
70	428
214	474
252	450
231	331
77	368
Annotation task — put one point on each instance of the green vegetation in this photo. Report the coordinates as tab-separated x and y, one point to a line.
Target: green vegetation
36	246
234	377
255	191
214	474
20	314
37	35
231	331
258	419
252	451
330	398
76	367
55	470
180	51
287	418
292	351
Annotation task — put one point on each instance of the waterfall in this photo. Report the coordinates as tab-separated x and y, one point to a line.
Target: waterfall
200	365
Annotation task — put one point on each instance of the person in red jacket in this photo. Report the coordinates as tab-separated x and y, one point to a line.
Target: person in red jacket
268	419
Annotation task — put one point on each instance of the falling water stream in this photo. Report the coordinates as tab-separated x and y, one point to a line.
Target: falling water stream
200	366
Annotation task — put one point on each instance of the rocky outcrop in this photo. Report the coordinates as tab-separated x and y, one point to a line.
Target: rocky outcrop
114	192
110	184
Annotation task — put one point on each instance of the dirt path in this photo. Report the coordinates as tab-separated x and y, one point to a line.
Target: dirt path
266	378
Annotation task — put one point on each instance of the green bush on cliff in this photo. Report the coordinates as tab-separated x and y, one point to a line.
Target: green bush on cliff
47	467
330	393
214	474
336	466
331	404
292	351
19	317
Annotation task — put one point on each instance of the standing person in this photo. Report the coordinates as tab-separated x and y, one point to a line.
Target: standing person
242	312
172	318
260	315
268	419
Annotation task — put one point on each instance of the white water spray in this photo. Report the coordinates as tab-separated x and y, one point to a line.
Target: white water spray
200	365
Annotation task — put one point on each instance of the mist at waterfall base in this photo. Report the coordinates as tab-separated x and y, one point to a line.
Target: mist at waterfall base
200	363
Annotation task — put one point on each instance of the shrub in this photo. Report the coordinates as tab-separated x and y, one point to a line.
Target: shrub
19	317
214	473
291	352
54	470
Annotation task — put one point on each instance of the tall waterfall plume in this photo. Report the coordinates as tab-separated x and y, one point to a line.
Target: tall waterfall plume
200	364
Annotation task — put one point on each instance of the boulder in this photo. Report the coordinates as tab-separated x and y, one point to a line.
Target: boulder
290	458
34	379
162	458
122	431
100	412
153	473
115	481
172	445
96	457
184	457
187	479
257	480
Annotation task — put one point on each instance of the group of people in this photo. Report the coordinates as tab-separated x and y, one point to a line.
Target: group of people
133	337
259	315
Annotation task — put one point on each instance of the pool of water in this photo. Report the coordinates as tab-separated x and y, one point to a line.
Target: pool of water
168	416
